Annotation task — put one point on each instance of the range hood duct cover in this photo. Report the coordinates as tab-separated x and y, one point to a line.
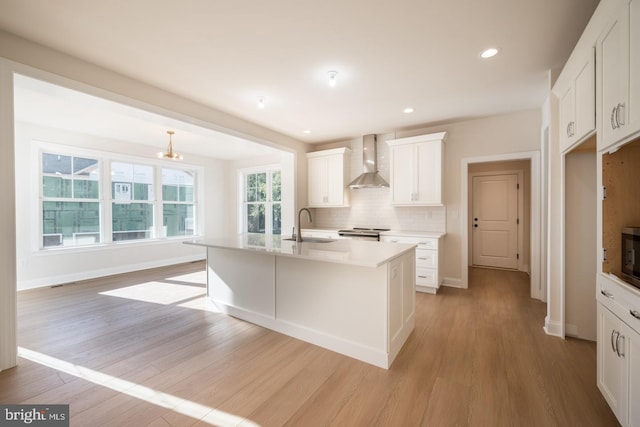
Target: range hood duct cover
370	178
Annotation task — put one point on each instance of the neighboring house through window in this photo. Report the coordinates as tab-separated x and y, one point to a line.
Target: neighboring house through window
133	201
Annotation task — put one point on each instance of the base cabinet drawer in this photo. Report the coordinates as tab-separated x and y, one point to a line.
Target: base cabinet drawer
426	258
426	277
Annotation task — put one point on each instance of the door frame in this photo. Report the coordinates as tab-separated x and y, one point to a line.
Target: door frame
535	215
520	232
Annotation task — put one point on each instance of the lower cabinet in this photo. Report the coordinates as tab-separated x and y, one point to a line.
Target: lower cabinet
428	259
619	357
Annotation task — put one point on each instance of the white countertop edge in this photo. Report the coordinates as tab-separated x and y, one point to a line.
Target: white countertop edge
430	234
401	249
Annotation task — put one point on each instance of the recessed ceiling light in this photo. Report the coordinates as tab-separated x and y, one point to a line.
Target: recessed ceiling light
408	110
492	51
306	131
332	78
261	102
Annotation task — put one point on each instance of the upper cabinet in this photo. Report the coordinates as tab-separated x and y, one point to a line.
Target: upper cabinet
618	59
577	93
417	170
328	172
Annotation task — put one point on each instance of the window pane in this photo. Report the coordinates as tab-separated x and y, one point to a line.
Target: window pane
276	221
177	185
85	167
276	187
85	189
256	218
56	164
262	187
131	182
56	186
178	219
70	223
132	221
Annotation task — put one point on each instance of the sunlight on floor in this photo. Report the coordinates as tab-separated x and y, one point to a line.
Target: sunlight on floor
182	406
158	292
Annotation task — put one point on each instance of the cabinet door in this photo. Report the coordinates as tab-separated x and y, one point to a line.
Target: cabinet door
567	111
429	191
403	174
585	100
634	66
610	365
614	72
335	180
317	176
632	354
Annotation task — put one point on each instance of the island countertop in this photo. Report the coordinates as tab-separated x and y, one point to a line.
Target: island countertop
343	251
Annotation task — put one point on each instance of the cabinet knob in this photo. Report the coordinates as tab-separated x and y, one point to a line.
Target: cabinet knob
635	313
475	225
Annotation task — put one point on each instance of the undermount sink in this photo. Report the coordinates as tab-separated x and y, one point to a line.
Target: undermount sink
312	240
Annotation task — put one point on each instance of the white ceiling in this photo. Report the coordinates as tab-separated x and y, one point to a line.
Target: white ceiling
49	105
389	55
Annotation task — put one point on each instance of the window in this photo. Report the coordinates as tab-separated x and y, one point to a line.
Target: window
70	200
139	201
178	216
263	202
132	205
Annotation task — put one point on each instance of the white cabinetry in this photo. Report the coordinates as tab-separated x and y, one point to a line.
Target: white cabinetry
417	170
576	90
429	261
618	59
327	175
619	350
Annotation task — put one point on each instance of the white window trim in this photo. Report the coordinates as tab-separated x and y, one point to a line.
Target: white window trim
105	197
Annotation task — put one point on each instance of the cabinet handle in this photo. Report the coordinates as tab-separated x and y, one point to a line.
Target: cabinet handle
422	277
613	113
635	313
613	343
606	293
423	258
618	352
568	127
620	119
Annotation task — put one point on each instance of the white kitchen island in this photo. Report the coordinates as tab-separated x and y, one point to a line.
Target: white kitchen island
354	297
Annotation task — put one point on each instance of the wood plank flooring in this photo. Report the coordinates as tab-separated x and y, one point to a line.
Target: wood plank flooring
147	349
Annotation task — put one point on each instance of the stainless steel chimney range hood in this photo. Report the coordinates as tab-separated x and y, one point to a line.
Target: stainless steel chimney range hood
370	178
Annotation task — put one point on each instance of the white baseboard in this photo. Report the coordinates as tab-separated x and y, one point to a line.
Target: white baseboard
454	283
85	275
553	328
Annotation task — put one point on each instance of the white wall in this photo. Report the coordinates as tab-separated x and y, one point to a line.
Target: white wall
517	132
48	267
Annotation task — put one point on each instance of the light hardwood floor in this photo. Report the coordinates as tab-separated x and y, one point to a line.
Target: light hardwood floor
477	357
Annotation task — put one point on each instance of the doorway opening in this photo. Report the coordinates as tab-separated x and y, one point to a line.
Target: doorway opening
495	174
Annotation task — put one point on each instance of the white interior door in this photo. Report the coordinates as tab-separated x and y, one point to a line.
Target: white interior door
495	221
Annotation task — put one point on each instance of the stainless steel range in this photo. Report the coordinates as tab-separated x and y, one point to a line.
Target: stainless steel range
362	233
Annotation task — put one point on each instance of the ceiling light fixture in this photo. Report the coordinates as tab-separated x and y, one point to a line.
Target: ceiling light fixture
170	154
261	102
492	51
408	110
332	78
306	131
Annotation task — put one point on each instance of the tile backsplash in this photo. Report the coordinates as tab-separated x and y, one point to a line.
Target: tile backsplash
371	207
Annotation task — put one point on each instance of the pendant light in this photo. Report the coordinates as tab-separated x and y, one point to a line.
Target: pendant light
170	154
